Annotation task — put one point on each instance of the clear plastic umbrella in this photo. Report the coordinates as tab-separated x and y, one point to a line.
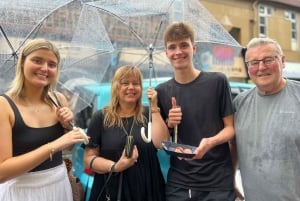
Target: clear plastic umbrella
136	30
73	26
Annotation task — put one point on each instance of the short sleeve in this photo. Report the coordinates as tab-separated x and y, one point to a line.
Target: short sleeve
95	129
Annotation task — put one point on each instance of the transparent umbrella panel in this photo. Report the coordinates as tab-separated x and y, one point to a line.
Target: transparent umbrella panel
73	26
135	27
19	19
136	30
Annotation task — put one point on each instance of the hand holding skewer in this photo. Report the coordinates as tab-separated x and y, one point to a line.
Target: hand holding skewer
174	119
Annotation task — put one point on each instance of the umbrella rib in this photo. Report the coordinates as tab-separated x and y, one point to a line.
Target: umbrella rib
141	61
14	53
124	22
85	58
10	66
160	25
40	23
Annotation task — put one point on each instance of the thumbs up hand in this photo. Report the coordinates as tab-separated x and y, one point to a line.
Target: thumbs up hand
175	114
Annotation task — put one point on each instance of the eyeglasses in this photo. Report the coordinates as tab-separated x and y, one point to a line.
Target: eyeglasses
267	61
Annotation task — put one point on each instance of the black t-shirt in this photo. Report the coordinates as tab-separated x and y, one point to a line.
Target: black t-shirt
204	102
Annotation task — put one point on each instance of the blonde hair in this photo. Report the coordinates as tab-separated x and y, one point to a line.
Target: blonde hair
17	85
111	116
179	30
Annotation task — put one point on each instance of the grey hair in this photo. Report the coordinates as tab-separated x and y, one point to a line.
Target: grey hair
262	41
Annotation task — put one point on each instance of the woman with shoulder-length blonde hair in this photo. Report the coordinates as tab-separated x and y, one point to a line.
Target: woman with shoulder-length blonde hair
118	81
122	173
33	130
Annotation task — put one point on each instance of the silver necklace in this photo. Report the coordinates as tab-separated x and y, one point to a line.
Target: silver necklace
129	142
130	131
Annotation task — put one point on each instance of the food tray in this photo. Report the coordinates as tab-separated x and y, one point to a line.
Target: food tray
171	147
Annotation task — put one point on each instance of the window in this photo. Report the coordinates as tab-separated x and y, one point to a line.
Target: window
262	27
264	12
291	16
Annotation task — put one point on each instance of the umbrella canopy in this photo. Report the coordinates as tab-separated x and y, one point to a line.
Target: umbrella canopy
136	30
73	26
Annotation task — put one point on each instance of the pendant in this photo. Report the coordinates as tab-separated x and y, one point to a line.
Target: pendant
107	197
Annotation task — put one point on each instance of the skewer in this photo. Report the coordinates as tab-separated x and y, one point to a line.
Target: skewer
175	133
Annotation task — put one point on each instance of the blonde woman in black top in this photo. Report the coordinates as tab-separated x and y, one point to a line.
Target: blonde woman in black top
119	177
32	133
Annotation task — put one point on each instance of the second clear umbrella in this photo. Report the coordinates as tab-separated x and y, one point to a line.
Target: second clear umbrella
136	29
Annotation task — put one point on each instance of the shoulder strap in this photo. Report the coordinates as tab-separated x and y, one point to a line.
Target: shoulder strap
18	117
11	103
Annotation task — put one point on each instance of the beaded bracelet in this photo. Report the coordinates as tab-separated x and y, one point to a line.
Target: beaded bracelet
155	110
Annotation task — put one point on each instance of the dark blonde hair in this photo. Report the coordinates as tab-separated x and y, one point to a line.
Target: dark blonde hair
178	31
111	116
17	85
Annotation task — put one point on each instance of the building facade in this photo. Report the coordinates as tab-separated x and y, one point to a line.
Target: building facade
277	19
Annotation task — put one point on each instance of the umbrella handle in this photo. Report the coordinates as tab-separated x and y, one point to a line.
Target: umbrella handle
55	100
146	139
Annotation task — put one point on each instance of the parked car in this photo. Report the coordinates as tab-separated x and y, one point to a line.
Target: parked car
102	95
239	87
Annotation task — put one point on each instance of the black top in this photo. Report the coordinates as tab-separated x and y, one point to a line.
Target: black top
141	182
26	139
204	102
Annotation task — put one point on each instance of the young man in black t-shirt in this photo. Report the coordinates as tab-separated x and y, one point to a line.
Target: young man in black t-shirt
204	119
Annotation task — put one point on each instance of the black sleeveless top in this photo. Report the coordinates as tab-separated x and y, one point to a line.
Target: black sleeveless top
26	139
